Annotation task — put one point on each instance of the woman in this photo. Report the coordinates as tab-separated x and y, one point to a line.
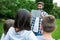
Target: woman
22	27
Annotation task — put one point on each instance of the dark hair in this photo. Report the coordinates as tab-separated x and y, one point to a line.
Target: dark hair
8	23
41	3
22	20
48	23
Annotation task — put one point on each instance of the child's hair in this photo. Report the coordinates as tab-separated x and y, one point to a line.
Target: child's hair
8	23
48	23
22	20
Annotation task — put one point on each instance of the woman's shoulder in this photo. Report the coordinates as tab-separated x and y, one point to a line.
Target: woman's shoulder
26	33
30	36
11	28
11	31
29	33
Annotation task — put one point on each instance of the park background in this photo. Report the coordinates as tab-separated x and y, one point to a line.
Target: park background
8	9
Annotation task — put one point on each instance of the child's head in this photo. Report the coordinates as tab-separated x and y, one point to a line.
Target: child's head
22	21
48	23
8	23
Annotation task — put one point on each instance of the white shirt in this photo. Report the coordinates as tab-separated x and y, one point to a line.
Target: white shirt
36	25
22	35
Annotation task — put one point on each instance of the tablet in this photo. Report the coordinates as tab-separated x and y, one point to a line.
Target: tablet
36	13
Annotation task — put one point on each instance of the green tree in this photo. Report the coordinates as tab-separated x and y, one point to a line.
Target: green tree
56	11
8	8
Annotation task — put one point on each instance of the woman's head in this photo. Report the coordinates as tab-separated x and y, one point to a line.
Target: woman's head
22	21
8	23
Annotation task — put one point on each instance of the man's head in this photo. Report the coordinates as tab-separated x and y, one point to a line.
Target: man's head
48	24
40	5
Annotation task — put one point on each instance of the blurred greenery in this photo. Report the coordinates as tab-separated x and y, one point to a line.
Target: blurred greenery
1	28
56	10
56	33
8	8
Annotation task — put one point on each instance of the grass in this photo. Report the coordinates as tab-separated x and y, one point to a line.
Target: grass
55	34
1	28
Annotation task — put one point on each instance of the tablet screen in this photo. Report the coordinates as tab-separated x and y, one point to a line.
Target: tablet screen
36	13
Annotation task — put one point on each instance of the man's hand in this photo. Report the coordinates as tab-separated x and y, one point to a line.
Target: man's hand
41	16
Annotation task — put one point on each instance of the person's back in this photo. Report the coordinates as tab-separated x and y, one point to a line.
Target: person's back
7	24
48	26
22	27
21	35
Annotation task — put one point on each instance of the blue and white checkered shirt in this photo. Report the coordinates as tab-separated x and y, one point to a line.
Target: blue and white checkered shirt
40	21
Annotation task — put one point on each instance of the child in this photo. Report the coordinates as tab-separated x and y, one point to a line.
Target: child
8	23
48	26
22	27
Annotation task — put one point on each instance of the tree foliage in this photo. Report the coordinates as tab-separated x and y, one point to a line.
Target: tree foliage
8	8
56	11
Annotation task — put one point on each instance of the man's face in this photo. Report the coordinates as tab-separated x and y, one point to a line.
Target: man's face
40	6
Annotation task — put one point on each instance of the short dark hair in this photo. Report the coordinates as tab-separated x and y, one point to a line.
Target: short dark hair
7	24
41	3
22	20
48	23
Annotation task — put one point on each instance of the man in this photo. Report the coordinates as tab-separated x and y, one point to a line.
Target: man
36	21
40	7
48	26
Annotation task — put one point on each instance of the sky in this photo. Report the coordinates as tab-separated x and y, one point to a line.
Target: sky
57	1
